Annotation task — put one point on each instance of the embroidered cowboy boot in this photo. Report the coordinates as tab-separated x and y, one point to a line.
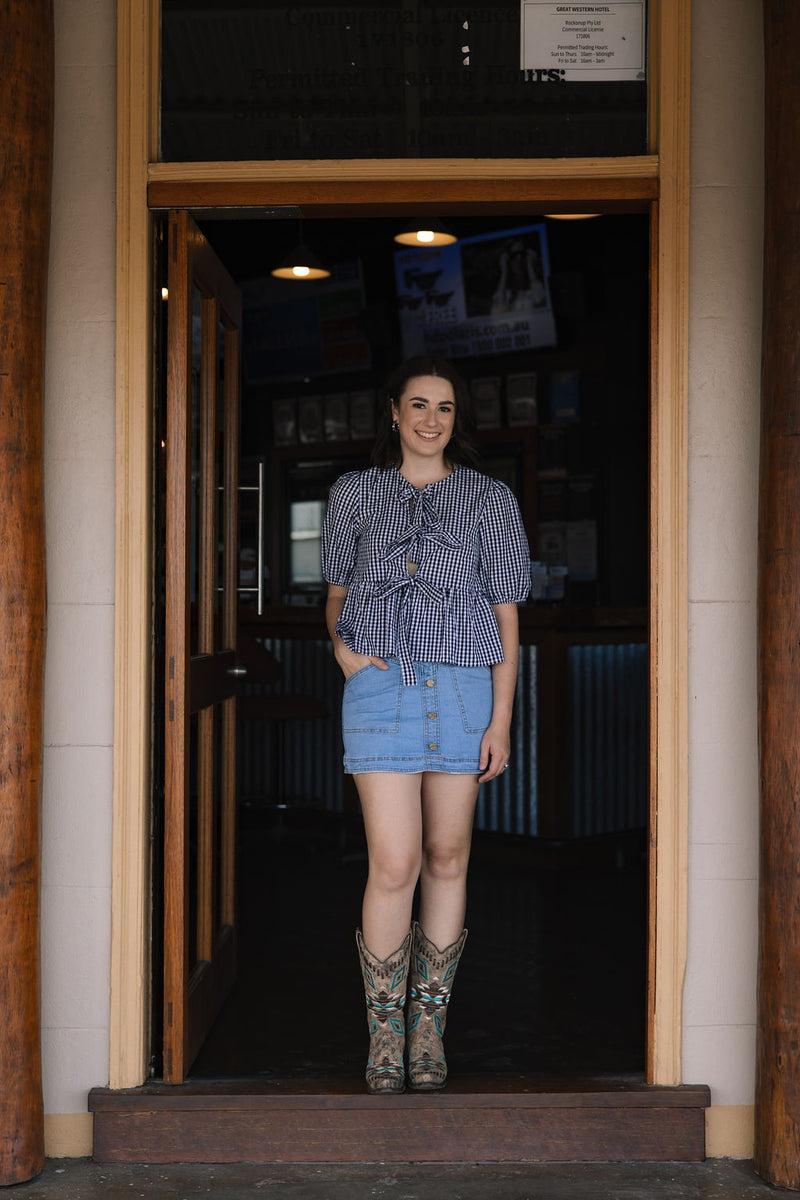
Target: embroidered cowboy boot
385	990
431	981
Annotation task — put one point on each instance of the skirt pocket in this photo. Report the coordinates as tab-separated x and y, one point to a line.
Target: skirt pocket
473	691
371	701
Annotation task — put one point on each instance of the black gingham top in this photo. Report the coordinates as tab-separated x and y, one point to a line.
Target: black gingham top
466	534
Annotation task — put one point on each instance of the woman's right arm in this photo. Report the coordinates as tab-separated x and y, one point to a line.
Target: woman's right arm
349	660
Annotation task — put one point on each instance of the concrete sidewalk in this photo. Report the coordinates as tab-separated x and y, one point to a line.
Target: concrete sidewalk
717	1179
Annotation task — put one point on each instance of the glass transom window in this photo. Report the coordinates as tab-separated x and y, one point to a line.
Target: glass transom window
402	78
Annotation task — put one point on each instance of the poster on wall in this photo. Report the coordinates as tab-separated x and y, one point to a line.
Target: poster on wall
482	295
587	43
295	330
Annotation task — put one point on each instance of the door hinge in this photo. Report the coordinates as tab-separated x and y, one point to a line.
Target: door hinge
172	710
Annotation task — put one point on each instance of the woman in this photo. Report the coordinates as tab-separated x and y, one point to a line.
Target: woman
426	560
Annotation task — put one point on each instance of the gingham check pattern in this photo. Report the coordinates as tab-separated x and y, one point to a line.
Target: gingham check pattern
466	534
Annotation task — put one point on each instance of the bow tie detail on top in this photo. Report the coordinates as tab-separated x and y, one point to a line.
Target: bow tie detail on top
426	525
405	584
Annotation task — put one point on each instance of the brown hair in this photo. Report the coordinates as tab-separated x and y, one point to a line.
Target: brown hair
461	448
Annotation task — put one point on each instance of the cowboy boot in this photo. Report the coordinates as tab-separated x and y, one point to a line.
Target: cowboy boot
385	990
432	974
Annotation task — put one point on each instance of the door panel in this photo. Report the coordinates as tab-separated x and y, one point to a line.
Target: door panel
200	751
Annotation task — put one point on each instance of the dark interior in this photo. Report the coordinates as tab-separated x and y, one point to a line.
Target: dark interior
554	976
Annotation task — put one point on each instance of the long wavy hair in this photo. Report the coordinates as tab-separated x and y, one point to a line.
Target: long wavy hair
461	448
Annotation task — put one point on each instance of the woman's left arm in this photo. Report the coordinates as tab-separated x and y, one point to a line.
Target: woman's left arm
496	742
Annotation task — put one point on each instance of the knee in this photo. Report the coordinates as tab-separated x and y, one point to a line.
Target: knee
444	861
394	872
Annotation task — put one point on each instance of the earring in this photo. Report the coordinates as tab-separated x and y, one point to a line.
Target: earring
395	427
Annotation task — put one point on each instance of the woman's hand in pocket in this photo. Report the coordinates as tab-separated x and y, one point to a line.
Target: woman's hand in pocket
351	661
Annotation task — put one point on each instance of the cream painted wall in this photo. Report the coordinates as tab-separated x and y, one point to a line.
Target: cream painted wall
719	1012
79	498
724	364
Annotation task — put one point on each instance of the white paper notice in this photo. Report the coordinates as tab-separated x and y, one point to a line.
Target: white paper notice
582	42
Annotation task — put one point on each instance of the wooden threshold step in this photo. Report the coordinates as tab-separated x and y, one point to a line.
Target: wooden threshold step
335	1121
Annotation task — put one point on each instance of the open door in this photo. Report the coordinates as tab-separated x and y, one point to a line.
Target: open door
204	324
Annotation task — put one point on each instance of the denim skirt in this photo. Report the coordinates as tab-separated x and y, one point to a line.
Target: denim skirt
435	725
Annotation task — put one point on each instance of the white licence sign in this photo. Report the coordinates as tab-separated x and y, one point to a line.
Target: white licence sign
582	42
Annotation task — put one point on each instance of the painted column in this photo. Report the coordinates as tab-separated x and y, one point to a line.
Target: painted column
26	143
777	1147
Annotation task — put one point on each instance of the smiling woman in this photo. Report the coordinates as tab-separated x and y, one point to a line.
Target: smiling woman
440	387
424	417
426	560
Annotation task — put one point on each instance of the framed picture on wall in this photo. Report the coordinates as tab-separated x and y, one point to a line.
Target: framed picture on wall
309	419
552	452
362	414
336	417
521	399
486	401
565	397
284	422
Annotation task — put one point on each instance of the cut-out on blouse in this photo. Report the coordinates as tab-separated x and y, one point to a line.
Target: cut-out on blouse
465	533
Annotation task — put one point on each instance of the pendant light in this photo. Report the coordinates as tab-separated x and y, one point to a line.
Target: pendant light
426	231
301	264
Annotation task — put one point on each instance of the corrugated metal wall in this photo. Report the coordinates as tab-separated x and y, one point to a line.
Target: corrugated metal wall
301	759
510	804
608	738
311	751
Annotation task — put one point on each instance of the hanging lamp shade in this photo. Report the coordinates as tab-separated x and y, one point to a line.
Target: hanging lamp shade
571	216
426	231
301	264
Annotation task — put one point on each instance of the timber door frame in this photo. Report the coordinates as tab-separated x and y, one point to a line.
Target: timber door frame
660	181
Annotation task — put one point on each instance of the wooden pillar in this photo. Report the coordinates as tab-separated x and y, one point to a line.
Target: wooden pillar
26	122
777	1150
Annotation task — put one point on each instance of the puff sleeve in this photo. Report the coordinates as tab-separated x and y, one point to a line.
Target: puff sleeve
504	565
339	543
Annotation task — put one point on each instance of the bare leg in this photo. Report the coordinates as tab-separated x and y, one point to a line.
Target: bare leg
392	813
448	808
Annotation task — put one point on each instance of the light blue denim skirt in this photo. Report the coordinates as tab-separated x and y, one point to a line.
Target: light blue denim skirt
435	725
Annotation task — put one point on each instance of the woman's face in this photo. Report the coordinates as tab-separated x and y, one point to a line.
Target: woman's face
425	415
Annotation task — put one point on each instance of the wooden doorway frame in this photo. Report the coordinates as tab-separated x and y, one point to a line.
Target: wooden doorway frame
659	181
